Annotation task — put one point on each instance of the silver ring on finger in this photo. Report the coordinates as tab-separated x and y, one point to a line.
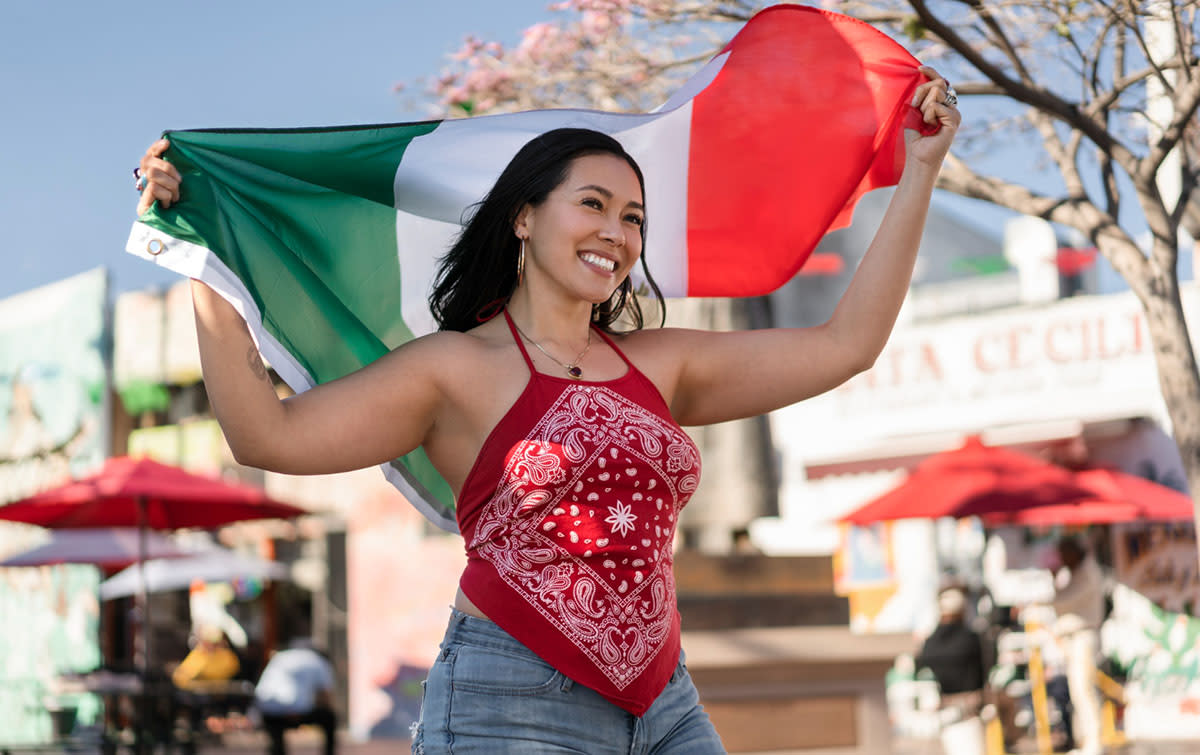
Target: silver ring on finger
139	180
951	97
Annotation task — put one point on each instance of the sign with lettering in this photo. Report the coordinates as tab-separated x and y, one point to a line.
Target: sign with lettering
1087	358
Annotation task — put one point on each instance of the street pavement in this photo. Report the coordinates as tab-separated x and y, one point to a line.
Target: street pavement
303	742
934	747
309	743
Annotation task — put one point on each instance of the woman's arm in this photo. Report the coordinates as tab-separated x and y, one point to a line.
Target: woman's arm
375	414
370	416
725	376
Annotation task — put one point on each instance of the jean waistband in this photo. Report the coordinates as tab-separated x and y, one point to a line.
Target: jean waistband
472	630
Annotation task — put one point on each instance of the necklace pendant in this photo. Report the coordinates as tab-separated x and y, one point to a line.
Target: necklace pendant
575	371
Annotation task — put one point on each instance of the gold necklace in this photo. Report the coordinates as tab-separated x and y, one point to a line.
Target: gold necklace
573	369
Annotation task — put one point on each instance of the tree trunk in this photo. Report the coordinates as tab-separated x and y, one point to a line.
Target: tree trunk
1178	376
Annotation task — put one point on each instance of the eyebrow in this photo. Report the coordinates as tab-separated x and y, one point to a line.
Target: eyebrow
608	194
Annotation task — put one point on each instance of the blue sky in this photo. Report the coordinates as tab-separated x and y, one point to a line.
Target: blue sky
86	86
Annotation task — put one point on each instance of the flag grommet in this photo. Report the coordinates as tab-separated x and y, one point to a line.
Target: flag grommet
155	247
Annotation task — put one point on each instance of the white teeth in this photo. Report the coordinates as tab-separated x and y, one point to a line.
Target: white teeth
598	261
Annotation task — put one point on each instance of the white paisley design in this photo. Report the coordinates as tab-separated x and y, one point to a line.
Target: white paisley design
608	589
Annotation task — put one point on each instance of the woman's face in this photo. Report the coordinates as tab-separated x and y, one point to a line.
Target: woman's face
586	236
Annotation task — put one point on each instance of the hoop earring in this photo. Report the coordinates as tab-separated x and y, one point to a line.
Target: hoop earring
521	263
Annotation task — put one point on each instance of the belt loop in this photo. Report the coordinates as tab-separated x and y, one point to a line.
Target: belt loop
679	669
567	683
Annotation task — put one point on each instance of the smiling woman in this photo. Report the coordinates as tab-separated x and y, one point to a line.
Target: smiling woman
567	461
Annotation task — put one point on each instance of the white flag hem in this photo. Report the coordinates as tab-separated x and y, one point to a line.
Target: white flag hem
199	262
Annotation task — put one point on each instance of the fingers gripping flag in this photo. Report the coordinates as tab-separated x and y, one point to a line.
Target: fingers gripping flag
326	239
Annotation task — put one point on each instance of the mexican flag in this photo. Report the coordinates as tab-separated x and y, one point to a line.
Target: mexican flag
326	239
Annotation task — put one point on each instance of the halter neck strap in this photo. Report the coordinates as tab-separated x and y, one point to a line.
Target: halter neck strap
613	346
512	327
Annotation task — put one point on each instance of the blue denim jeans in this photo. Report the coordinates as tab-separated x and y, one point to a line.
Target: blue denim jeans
488	694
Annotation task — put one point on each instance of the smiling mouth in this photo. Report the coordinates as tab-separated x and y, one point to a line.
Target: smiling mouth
596	260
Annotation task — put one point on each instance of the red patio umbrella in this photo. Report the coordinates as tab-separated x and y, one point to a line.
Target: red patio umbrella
972	480
1156	501
1112	496
135	492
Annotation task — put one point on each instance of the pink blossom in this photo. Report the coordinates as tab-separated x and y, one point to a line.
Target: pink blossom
471	45
481	79
596	24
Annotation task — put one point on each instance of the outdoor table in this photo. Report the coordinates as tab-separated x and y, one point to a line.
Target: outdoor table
199	699
152	711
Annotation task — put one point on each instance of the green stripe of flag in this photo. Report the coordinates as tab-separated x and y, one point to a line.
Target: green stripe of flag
317	254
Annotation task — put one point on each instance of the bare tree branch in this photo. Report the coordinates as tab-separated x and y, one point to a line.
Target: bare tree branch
1132	25
1096	53
1181	41
1038	97
999	37
1186	101
1064	158
1076	212
1117	88
978	88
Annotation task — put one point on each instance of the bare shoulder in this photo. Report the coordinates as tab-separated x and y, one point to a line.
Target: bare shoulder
665	342
451	356
660	353
443	345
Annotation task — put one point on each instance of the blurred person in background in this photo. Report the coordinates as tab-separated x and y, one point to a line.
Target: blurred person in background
210	660
954	653
1079	602
296	689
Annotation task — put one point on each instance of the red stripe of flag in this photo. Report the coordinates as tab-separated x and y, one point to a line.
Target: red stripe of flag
804	117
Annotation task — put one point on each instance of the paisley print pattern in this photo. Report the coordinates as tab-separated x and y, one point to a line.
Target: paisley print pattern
581	524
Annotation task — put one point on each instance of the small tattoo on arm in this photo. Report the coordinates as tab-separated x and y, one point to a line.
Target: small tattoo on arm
256	364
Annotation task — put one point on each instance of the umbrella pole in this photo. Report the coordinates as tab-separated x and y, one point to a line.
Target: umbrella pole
142	736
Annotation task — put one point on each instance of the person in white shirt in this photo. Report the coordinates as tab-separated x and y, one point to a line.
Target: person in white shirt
1079	604
295	689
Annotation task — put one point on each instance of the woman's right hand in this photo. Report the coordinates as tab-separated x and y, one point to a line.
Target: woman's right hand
162	179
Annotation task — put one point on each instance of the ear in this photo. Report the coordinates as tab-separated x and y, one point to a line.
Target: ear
523	225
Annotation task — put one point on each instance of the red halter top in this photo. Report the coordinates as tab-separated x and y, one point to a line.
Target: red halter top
568	516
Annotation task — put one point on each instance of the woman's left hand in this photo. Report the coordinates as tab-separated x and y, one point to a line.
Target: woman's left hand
931	99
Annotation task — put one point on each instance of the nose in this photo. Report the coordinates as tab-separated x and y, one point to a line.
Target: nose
613	233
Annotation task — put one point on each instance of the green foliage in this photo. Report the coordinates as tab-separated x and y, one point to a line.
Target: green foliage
144	396
914	28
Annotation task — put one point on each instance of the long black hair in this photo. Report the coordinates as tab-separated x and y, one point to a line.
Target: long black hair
478	275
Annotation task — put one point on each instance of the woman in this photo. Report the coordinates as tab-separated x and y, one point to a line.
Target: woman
560	437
